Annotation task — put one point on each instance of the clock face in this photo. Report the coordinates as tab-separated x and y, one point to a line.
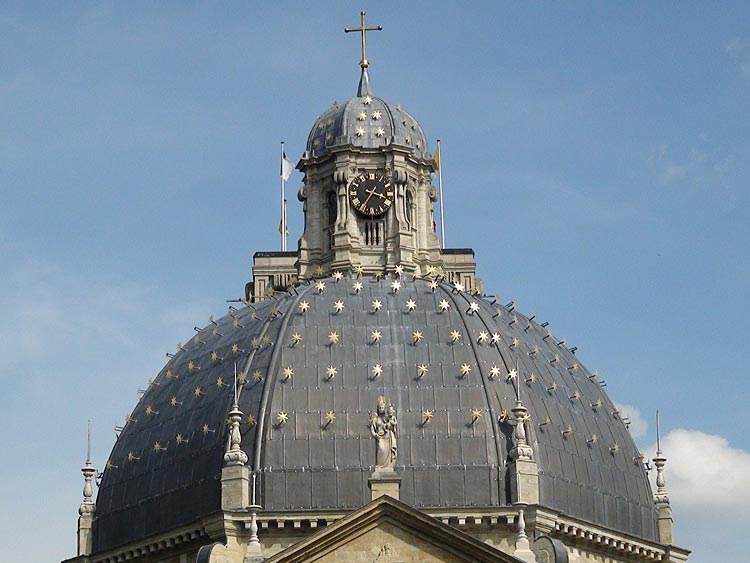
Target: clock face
371	194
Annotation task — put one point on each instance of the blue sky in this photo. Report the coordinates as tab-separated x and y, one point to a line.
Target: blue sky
596	157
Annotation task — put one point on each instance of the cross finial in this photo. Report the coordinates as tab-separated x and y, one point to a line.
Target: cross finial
363	29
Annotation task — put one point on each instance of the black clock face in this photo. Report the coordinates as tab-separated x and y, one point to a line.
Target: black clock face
371	194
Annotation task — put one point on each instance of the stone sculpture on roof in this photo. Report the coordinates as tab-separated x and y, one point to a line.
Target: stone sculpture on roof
384	428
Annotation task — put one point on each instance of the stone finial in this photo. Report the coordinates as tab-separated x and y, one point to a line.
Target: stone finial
521	449
235	454
88	507
661	498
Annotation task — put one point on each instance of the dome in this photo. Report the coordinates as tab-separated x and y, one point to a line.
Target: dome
164	470
368	122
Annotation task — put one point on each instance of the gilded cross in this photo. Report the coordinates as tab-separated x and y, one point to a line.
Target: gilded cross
363	29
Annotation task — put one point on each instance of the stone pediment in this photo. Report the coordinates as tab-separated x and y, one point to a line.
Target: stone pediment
389	531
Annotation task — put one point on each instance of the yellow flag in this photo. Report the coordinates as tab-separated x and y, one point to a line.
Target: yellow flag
436	158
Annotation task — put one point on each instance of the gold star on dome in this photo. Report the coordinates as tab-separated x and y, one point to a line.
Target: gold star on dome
173	401
358	270
377	370
458	287
158	447
205	429
215	331
418	145
254	315
235	348
399	270
357	287
426	416
495	338
257	376
455	336
411	305
282	417
483	337
399	108
395	286
255	343
360	132
180	439
319	271
473	307
431	270
376	335
220	382
433	285
170	375
526	418
476	413
338	276
333	337
214	356
379	132
494	372
408	139
330	417
444	305
316	142
149	410
329	121
465	369
288	372
303	306
515	342
197	392
296	338
377	115
191	366
329	137
361	116
422	370
320	286
368	100
242	377
504	415
250	420
512	374
132	456
416	336
338	306
376	305
266	340
321	125
331	372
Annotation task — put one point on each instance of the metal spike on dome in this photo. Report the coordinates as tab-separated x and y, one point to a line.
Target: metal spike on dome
602	382
513	321
532	317
232	310
495	299
617	413
170	355
212	321
511	306
545	324
498	314
573	350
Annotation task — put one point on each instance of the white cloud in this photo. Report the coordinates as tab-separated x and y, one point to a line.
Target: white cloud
740	54
638	426
705	474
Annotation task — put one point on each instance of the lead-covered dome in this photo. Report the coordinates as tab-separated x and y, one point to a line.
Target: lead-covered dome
327	349
368	122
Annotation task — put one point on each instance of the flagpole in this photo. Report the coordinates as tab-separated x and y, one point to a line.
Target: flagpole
283	199
440	180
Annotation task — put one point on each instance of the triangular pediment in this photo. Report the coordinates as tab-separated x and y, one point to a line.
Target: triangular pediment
389	531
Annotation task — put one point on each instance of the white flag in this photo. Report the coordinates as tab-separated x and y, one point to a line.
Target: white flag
287	166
